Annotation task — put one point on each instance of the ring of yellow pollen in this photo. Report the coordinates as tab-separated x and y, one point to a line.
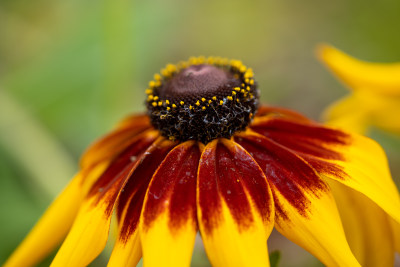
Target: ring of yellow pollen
202	99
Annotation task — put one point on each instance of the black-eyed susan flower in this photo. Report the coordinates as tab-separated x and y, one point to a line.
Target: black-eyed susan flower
374	101
375	92
206	158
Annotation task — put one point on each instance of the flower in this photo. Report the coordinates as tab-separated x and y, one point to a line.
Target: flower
200	160
375	92
374	101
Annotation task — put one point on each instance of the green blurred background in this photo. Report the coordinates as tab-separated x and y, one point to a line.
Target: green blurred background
69	70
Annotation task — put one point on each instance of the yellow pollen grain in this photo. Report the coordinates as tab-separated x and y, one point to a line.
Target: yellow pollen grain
157	77
214	98
237	100
242	69
164	72
243	91
233	93
242	84
152	84
154	104
251	115
198	103
160	103
237	89
210	60
158	83
182	103
155	98
209	101
150	97
148	91
203	99
167	102
171	68
247	81
203	108
190	107
168	108
221	102
248	88
230	98
173	106
251	82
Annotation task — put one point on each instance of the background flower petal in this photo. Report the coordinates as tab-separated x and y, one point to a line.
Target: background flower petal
366	225
381	77
235	206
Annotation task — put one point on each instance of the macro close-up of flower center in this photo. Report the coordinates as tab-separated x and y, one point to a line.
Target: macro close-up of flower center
207	158
202	101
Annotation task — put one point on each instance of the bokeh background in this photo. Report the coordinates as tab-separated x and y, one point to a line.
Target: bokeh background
69	70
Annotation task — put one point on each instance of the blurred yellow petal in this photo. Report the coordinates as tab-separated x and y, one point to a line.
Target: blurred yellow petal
51	229
381	77
396	233
319	230
235	206
366	225
343	114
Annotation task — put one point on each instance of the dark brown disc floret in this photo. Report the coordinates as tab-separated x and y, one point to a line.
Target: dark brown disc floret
202	99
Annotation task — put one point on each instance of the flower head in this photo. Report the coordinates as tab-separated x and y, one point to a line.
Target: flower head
375	92
200	160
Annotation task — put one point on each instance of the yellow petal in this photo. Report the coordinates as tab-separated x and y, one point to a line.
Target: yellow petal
342	114
396	233
319	231
235	206
88	235
168	222
384	78
367	172
367	227
51	229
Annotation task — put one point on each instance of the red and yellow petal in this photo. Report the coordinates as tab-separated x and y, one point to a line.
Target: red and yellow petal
127	249
168	221
89	232
51	228
305	209
88	235
235	206
109	146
